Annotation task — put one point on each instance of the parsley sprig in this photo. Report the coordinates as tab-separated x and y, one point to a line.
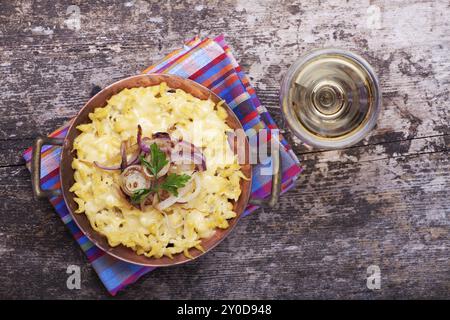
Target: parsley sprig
157	160
171	183
139	194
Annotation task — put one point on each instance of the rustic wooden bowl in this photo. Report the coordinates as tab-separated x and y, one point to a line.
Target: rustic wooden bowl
67	173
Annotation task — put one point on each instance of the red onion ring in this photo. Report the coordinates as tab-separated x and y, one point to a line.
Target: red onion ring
103	167
145	147
134	159
186	152
161	135
162	139
132	179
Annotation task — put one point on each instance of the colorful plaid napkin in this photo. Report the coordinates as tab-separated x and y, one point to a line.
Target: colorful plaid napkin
211	63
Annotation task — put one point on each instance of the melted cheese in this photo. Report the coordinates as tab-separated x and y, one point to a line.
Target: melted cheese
181	226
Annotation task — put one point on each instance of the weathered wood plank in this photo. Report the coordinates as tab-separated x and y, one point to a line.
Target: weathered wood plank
414	75
353	214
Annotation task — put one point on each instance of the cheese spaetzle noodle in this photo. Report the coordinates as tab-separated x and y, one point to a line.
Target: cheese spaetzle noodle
151	232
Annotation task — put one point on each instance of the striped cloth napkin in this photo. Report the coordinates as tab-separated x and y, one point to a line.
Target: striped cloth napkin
211	63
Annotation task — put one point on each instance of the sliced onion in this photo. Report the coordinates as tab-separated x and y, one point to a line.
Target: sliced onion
181	157
203	167
161	135
188	197
167	203
133	178
133	155
186	168
171	200
103	167
145	145
188	146
125	162
162	139
185	152
134	159
182	197
164	142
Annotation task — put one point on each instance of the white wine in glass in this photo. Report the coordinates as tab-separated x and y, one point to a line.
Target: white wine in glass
330	98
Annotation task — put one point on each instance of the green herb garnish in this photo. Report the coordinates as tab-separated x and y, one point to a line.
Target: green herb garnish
157	161
171	182
139	194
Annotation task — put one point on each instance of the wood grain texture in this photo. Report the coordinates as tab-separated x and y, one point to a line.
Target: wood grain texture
385	201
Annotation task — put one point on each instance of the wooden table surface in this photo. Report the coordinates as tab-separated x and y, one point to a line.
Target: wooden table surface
383	202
